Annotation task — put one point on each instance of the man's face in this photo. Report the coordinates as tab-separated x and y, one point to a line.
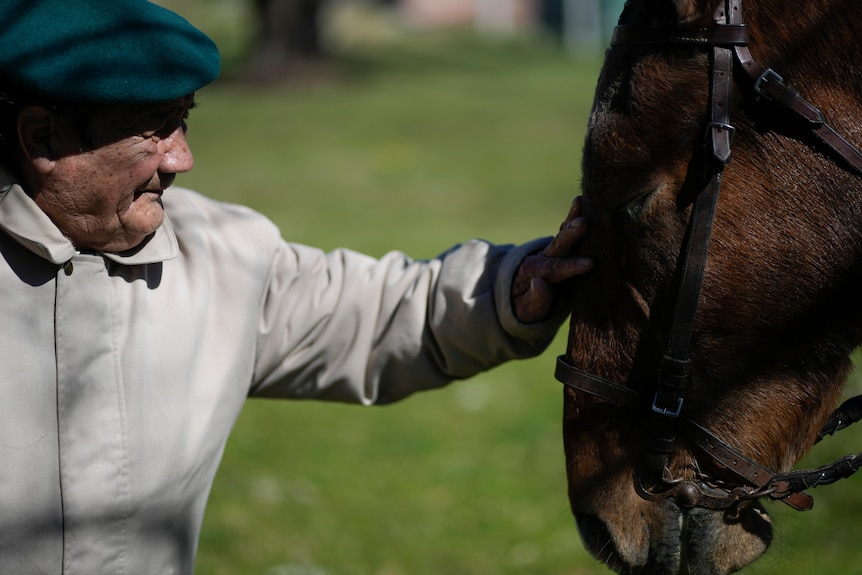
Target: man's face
109	172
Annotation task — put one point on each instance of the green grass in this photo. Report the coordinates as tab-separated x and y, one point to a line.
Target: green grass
416	148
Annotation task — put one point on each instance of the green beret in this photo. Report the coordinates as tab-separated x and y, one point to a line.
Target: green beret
102	51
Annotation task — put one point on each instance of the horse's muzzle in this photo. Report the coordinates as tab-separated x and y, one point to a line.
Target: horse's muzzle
671	540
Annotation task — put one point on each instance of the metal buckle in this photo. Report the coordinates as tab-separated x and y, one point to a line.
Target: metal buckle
770	76
722	126
719	141
667	412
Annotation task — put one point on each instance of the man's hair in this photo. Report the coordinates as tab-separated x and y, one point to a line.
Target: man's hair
12	101
10	106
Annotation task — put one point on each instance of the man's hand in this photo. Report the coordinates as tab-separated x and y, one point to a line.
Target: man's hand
534	284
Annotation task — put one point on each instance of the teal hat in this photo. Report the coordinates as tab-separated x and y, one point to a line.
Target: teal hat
102	51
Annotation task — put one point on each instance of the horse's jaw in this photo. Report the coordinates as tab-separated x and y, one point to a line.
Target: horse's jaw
662	539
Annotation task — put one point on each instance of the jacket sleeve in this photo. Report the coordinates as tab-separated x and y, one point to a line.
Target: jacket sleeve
346	327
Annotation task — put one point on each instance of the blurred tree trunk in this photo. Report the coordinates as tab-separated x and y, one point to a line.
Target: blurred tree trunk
289	44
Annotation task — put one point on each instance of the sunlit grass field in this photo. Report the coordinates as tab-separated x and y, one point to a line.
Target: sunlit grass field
416	147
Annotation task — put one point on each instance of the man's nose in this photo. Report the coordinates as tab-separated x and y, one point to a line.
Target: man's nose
176	154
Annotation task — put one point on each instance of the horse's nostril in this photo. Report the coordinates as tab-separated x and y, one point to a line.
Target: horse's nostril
596	537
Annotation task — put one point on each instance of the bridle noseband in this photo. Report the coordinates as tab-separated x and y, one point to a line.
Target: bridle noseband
728	41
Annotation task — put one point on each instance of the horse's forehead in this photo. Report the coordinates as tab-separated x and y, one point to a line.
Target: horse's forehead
689	10
686	11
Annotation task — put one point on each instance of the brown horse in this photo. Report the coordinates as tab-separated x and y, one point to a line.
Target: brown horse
779	310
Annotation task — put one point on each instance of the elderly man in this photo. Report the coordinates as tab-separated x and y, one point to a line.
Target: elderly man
138	316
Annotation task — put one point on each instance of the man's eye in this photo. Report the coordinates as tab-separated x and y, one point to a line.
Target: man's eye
165	131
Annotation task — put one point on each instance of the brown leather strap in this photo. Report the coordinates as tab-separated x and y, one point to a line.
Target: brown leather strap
848	152
735	35
745	469
770	85
575	378
795	481
846	415
719	130
673	376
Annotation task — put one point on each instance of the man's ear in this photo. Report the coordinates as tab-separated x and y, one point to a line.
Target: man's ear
36	133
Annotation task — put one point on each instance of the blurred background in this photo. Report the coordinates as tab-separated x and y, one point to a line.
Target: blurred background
413	125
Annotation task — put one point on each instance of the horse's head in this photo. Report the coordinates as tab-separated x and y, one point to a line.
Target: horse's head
779	310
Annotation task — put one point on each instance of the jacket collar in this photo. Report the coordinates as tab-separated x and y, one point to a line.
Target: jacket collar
24	221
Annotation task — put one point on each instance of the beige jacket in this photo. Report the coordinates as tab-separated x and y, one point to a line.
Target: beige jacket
122	375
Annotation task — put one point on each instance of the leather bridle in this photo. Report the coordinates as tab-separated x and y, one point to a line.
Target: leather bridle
728	42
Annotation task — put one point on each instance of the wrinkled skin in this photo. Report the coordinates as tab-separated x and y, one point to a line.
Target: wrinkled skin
780	308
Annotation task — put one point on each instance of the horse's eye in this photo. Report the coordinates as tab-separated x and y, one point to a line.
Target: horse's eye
633	208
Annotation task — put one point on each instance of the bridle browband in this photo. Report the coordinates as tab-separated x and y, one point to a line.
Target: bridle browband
728	41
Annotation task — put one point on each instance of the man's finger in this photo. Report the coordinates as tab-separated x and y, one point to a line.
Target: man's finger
576	210
557	270
535	304
565	241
